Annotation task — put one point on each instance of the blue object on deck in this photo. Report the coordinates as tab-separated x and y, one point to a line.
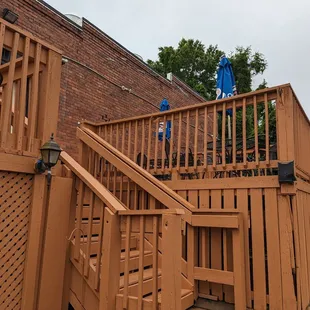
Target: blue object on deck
226	85
164	106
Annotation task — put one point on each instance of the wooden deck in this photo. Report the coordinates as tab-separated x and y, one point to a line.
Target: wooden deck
140	223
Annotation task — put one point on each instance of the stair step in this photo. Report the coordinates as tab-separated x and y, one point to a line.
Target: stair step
134	277
184	293
187	300
95	244
132	254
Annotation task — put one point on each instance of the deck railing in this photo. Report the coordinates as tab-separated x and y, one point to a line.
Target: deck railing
301	140
199	144
101	248
30	90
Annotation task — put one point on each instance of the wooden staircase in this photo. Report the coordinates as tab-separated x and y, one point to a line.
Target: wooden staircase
127	252
133	280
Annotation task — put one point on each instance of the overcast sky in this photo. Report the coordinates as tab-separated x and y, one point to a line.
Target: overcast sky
280	29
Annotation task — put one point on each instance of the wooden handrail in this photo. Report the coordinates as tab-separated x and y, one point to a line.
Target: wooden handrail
156	188
96	187
191	107
152	212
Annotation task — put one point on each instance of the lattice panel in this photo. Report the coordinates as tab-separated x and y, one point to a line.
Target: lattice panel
15	201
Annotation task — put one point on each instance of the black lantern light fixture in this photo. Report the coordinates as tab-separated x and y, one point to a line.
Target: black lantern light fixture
10	16
50	152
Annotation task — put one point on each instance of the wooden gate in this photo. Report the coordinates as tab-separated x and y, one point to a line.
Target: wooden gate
15	203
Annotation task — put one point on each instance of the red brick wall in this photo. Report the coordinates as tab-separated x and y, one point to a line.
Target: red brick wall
85	94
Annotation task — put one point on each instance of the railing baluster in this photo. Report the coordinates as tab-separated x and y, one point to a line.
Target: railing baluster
244	132
196	139
106	133
89	234
114	180
149	143
267	129
111	135
171	142
256	130
33	107
156	146
123	138
109	167
135	199
121	187
163	145
23	94
187	141
128	193
205	140
224	136
179	142
127	259
214	136
129	140
141	263
234	137
155	263
142	145
99	248
117	137
8	91
152	202
135	142
79	221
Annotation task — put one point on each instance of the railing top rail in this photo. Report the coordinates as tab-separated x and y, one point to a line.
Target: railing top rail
300	106
152	212
191	107
125	165
29	35
102	192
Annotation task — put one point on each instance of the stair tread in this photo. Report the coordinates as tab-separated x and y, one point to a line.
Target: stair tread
134	277
184	293
133	254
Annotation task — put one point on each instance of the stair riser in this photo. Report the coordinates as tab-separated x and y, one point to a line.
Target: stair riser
147	287
94	245
134	262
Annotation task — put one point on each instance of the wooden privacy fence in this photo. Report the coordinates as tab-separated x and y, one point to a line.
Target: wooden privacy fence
269	232
29	91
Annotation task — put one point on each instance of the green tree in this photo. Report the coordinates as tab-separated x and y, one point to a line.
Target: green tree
197	65
193	63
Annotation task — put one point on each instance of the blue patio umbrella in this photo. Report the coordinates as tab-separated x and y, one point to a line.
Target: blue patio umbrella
226	85
164	106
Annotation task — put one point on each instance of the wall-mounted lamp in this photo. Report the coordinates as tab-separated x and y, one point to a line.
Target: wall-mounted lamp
10	16
50	152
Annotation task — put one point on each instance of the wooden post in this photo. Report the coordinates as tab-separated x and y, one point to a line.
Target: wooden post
55	245
71	224
171	262
110	270
285	125
32	265
239	266
49	98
